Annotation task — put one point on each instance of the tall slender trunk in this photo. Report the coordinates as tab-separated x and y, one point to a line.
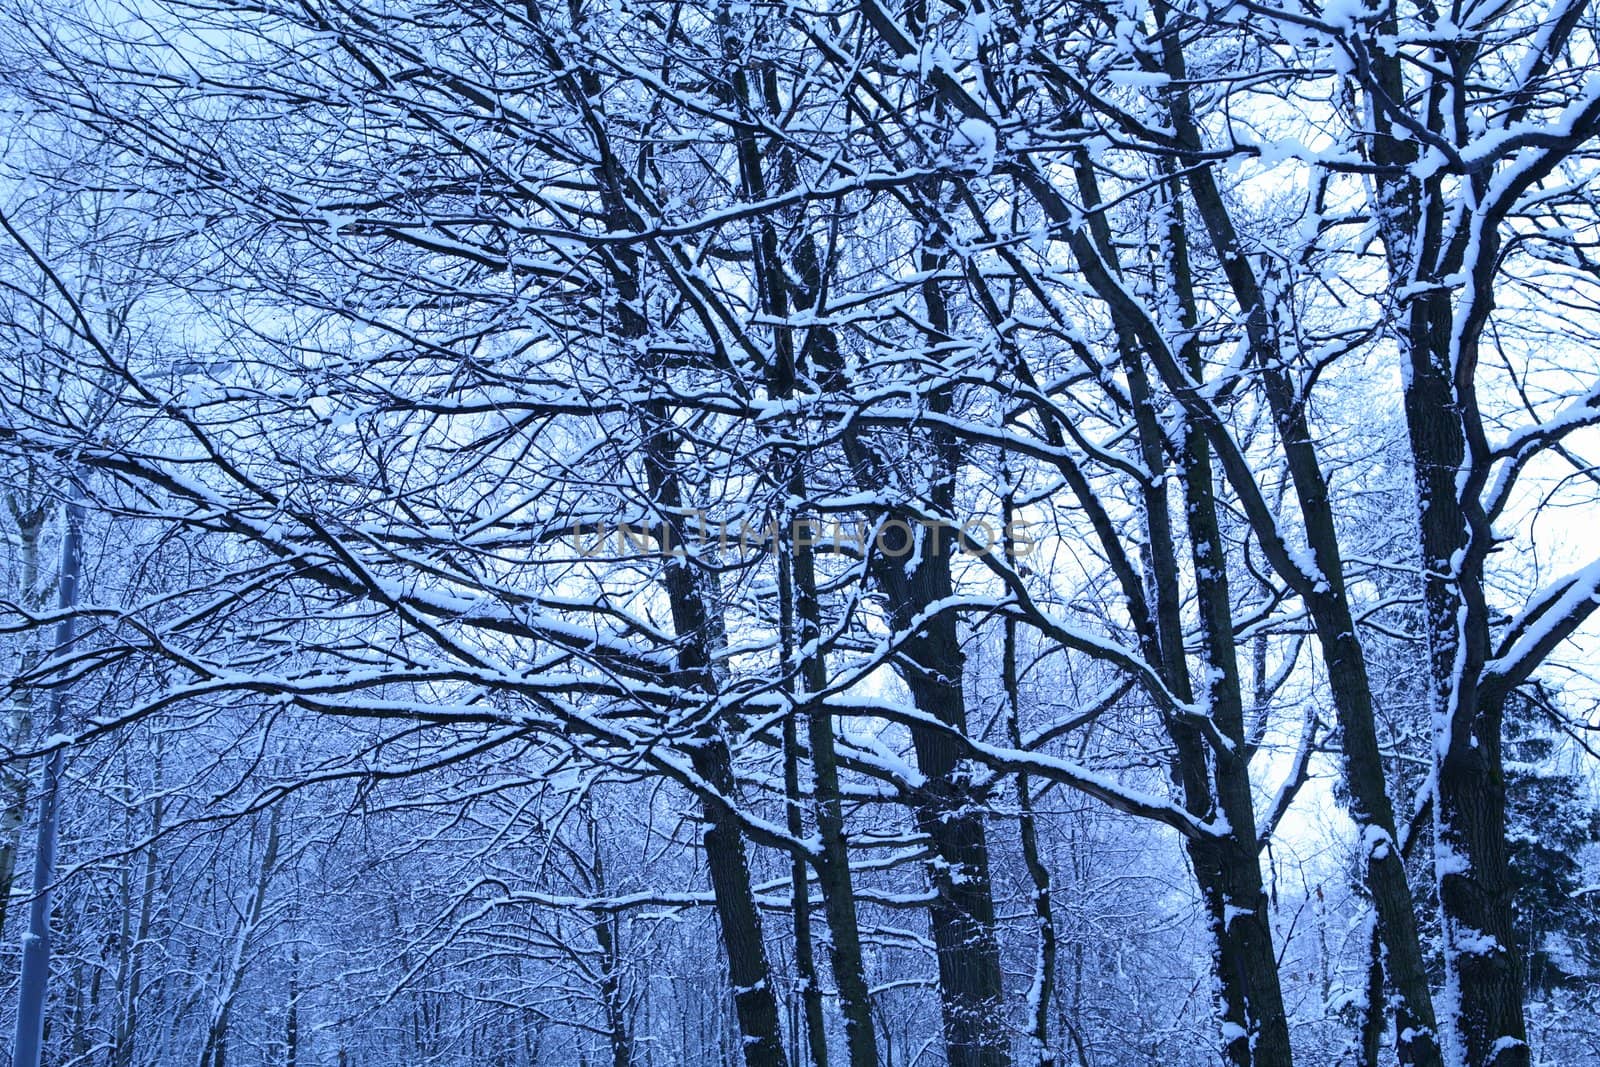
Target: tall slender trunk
28	1048
1485	966
127	1031
1042	990
611	992
291	1022
18	723
1427	250
1324	594
689	600
798	586
608	940
1246	930
833	864
815	1028
1210	768
698	629
962	914
214	1053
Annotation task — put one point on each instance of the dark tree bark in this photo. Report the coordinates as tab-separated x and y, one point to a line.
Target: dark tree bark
692	615
798	593
1476	889
692	604
962	914
1042	992
291	1023
607	937
805	963
1435	239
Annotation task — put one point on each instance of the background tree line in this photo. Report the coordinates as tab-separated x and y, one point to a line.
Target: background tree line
1272	324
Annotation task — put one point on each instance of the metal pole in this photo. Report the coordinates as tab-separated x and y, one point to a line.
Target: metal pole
36	943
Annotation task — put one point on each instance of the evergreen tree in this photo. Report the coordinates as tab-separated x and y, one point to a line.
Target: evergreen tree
1552	819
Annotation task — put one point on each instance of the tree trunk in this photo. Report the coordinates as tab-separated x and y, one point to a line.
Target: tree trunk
755	1000
1325	597
802	613
606	937
962	914
754	997
833	865
815	1027
28	1049
1246	930
611	995
19	719
291	1022
1483	962
1211	773
1042	991
133	989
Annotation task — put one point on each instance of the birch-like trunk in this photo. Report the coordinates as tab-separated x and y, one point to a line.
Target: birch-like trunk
28	1048
17	726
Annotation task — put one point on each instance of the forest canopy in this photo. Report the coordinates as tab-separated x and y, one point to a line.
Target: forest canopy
880	533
